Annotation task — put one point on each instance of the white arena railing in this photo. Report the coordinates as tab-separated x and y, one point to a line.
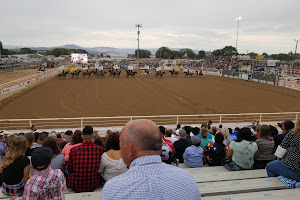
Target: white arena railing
18	125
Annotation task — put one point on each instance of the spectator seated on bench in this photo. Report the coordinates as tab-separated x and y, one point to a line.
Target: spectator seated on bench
192	155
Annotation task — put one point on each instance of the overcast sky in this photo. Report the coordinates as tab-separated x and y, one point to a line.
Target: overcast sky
266	26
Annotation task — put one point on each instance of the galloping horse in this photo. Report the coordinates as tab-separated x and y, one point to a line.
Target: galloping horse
200	73
75	73
86	73
188	74
159	74
145	74
129	73
62	75
174	73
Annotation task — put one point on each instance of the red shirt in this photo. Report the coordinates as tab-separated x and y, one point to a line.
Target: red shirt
170	144
84	161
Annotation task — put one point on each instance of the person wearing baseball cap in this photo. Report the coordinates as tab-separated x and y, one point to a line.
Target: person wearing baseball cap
68	135
192	155
46	183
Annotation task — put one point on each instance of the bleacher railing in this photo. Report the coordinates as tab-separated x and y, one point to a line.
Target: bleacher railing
79	123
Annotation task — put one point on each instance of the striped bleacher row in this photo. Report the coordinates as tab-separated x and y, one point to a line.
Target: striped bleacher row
217	183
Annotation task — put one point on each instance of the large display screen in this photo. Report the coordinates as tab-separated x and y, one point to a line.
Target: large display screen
79	58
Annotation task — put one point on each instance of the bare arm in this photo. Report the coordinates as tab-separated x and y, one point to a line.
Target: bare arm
229	152
26	173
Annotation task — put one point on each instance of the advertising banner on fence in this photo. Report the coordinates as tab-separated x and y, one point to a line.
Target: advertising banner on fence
79	58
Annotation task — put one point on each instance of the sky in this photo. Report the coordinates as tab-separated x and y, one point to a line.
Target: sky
269	26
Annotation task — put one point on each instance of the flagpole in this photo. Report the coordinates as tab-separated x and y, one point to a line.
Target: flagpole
237	33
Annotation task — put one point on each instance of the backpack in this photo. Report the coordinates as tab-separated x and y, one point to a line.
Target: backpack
214	155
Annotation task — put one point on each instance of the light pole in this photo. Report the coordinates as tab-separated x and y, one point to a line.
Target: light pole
138	33
237	33
293	62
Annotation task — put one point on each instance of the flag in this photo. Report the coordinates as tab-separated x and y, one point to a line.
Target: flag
73	68
258	57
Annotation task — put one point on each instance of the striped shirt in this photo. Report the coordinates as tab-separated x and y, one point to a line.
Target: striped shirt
149	178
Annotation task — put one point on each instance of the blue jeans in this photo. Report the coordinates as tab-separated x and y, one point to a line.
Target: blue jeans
278	168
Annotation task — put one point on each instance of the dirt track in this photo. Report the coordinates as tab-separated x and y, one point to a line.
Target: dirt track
142	96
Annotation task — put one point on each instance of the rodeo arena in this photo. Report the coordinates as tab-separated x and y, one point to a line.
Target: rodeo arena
229	127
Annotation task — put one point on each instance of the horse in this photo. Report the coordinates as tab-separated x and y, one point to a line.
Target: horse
188	74
112	72
62	75
101	73
75	73
159	74
145	74
200	73
86	73
174	73
129	73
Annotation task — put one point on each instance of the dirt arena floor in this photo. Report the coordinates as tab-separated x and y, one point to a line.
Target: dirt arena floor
144	96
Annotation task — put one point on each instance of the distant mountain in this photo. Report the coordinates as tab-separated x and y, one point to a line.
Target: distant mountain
90	49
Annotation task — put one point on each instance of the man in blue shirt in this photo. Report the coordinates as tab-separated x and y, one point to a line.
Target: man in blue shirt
147	177
192	155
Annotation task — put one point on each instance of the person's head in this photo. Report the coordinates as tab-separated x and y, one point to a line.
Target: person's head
214	129
230	130
264	132
244	134
204	132
196	141
112	141
236	129
274	130
182	134
77	137
87	133
162	130
219	138
220	126
68	134
32	128
204	125
287	125
296	130
58	135
195	130
62	144
52	143
209	122
42	137
17	147
30	138
41	158
139	138
169	133
53	134
188	130
178	126
2	138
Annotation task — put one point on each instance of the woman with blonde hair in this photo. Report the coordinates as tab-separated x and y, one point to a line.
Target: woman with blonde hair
204	139
265	144
15	167
289	150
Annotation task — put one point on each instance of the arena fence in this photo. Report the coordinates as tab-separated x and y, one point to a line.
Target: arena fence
79	123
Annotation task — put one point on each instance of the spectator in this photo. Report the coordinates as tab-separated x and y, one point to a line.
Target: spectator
68	135
3	148
242	151
47	183
41	138
76	141
215	154
169	136
289	150
58	159
30	141
62	145
181	144
112	164
214	129
220	128
209	123
236	130
59	139
33	129
192	155
265	144
231	136
178	127
53	134
15	167
166	141
204	139
188	130
84	162
286	126
98	140
140	144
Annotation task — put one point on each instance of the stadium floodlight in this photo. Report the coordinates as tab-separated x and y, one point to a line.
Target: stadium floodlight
138	33
237	33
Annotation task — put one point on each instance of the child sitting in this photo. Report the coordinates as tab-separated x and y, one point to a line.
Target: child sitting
215	154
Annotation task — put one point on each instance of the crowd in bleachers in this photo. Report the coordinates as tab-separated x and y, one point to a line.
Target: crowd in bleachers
42	164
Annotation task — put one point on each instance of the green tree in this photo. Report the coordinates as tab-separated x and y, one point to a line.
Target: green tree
252	54
226	51
142	53
201	54
189	52
1	47
163	52
25	50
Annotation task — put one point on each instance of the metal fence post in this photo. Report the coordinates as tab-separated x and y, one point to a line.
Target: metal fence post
81	123
260	117
177	120
30	123
220	121
296	117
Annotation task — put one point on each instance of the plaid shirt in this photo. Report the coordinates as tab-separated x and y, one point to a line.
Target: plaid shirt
84	161
45	184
